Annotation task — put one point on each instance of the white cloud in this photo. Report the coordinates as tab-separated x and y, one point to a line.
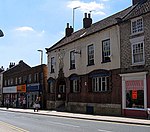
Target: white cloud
87	7
23	29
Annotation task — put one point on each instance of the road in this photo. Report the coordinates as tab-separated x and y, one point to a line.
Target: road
23	122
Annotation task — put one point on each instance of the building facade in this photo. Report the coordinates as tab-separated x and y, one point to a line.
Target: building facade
24	82
84	68
135	59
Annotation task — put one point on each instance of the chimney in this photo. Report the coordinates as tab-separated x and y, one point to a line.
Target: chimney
69	30
11	64
87	22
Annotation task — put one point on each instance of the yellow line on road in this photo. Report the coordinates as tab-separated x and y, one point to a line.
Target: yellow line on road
13	127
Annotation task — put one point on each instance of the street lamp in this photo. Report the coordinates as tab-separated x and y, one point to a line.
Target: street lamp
41	56
73	13
1	33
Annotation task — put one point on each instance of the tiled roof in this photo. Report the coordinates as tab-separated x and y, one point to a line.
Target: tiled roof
96	27
141	8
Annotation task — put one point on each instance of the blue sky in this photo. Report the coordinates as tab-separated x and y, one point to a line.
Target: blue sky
30	25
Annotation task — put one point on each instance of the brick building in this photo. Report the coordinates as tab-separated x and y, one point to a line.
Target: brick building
135	59
24	82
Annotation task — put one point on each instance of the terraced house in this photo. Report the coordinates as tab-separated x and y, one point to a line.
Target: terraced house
89	70
135	59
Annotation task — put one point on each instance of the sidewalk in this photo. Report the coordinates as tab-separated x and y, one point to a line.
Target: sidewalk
82	116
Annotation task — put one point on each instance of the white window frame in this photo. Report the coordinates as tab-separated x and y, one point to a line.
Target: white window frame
106	49
137	63
75	86
72	59
90	56
97	84
137	26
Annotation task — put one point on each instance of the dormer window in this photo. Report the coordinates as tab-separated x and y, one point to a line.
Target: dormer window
137	25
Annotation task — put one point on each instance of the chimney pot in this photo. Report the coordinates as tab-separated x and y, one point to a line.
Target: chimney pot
85	15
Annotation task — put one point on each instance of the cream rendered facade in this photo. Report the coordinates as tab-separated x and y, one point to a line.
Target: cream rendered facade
81	45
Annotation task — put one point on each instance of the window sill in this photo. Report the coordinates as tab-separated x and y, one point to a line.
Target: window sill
72	68
105	61
138	64
90	64
137	33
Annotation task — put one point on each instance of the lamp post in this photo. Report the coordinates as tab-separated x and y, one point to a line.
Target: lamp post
41	56
1	33
74	14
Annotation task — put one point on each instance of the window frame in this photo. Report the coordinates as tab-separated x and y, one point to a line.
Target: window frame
106	58
143	54
90	54
137	26
97	84
52	64
72	59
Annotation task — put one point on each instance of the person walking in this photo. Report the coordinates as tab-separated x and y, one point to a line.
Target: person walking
36	105
7	103
24	103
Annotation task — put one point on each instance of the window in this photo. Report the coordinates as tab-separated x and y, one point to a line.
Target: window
138	53
100	84
51	87
91	55
137	25
11	81
30	78
134	93
74	85
106	50
52	65
36	77
19	80
5	82
72	60
16	80
61	88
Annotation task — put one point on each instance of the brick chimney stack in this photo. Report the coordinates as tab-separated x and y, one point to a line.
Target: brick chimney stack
87	21
69	30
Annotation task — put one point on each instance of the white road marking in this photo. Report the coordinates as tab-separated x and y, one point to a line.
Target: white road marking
63	124
100	130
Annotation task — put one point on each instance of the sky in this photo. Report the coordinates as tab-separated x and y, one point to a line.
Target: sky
30	25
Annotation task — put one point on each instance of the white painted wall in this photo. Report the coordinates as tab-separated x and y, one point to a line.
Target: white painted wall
81	60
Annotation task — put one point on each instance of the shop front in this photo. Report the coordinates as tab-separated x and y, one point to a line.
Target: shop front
134	94
33	91
10	93
21	90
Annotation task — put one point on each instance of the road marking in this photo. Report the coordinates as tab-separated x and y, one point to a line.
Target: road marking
100	130
13	127
63	124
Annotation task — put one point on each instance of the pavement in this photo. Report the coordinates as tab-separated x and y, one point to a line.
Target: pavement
81	116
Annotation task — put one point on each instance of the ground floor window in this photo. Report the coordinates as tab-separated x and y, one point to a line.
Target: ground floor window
74	85
100	84
135	94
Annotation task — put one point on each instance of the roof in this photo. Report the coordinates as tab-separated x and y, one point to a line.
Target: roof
96	27
140	9
128	13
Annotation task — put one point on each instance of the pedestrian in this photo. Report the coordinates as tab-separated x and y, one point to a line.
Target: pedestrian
7	103
36	105
24	103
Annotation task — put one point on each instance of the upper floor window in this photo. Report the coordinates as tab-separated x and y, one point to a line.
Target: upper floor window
30	78
72	59
16	80
11	81
138	53
19	80
91	54
106	50
52	65
36	77
136	25
100	84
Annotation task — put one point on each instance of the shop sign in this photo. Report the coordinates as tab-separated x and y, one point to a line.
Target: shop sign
21	88
134	94
134	85
12	89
